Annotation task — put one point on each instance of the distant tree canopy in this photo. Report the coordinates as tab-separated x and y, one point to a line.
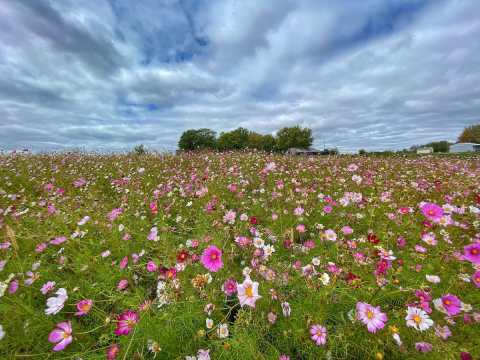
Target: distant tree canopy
233	140
197	139
438	146
290	137
470	134
242	138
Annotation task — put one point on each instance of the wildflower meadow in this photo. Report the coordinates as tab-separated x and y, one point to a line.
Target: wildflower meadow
239	255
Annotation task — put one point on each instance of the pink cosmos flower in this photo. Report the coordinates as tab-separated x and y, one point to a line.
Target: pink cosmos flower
153	234
423	347
114	214
229	217
151	266
451	304
247	292
318	334
229	287
124	262
472	253
113	351
83	307
212	258
476	278
126	322
62	335
41	247
122	284
13	287
298	211
58	240
432	211
48	286
443	332
347	230
371	316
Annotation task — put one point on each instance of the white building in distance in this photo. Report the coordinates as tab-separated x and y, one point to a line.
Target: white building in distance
464	147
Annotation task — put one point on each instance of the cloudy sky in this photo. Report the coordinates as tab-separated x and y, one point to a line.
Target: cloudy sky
107	75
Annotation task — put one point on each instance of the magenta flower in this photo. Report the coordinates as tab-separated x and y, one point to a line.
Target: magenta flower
48	286
126	322
229	287
432	211
476	278
113	351
423	347
122	284
83	307
451	304
124	262
151	266
212	258
371	316
62	335
318	334
472	253
13	287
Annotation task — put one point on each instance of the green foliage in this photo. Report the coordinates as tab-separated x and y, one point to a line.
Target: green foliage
233	140
139	150
290	137
199	139
470	134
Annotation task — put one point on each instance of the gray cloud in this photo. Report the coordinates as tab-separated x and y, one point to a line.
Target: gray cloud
111	74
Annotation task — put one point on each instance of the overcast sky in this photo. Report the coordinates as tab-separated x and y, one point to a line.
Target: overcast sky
107	75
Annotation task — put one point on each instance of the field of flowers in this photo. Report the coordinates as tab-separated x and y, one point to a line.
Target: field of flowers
239	256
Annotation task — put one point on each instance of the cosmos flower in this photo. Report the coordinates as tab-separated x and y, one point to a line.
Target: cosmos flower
56	303
61	335
472	253
423	347
83	307
432	211
247	292
476	278
443	332
371	316
113	351
211	258
418	319
318	334
229	287
126	322
448	304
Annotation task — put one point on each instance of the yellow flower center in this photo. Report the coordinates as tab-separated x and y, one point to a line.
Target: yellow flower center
417	319
249	291
213	256
370	314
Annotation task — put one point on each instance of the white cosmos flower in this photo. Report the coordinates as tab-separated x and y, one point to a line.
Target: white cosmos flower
434	279
2	332
55	303
418	319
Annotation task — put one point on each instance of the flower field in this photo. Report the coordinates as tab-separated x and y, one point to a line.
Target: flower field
239	256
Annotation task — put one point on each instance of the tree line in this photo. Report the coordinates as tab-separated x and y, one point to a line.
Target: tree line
241	138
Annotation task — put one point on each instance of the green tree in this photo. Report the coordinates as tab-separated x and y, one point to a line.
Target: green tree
268	143
197	139
139	150
295	136
470	134
260	142
233	140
